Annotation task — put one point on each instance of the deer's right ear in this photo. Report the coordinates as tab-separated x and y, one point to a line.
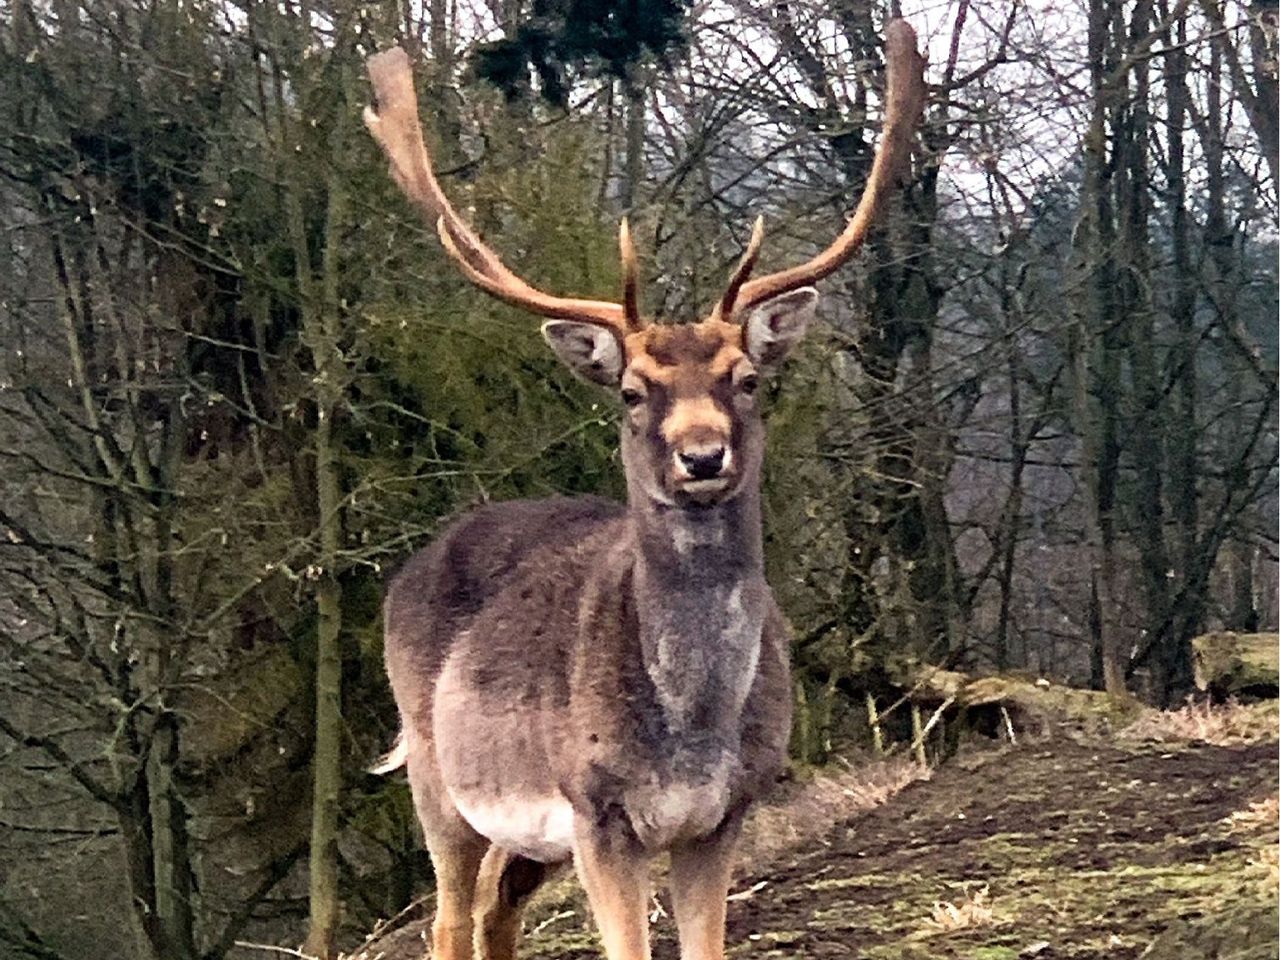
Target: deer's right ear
591	351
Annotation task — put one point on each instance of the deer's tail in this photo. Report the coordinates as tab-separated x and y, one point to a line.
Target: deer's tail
394	758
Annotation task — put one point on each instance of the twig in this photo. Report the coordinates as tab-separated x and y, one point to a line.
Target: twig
749	892
917	742
873	719
917	736
1008	725
658	911
268	948
554	918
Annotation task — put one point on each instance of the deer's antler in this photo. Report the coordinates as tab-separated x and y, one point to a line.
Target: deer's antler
394	124
904	102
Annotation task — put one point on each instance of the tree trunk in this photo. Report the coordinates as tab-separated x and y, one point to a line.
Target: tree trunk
1261	98
326	765
1242	610
322	336
171	848
1012	516
634	89
1184	431
134	547
134	820
1138	311
320	317
443	103
1222	284
1096	421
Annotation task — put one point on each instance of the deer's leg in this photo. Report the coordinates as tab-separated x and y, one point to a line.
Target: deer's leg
506	883
615	875
700	874
456	852
456	858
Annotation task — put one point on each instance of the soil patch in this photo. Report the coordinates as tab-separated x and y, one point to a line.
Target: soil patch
1058	851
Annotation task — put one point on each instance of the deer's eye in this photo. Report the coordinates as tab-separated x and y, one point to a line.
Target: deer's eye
749	383
632	398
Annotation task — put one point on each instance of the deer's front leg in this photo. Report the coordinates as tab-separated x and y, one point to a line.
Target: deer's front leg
615	874
700	874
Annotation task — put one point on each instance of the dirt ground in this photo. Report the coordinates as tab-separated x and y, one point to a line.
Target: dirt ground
1052	850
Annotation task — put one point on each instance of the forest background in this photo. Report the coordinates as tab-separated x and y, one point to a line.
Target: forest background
239	383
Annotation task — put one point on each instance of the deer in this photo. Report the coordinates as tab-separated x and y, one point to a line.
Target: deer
598	683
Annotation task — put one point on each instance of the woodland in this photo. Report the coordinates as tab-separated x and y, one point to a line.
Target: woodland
1034	434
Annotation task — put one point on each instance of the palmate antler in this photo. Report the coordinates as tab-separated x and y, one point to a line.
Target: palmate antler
394	124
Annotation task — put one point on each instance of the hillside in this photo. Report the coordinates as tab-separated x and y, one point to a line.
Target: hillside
1062	849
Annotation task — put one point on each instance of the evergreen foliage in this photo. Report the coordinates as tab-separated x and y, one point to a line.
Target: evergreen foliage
562	40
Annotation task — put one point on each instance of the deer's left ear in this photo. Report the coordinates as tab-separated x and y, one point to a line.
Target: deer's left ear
772	328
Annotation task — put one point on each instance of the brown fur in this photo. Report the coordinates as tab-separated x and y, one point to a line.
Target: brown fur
595	681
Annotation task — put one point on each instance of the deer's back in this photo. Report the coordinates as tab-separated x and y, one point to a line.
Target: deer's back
443	586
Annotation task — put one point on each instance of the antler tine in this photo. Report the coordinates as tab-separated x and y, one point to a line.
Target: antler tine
630	278
724	309
904	102
394	124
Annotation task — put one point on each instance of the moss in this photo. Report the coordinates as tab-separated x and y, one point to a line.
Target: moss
874	881
1072	841
1231	662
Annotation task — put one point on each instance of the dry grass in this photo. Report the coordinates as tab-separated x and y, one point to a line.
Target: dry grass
1259	824
1267	869
1259	816
806	810
972	911
1222	724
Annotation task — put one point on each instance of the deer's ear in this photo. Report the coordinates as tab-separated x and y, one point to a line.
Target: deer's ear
591	351
772	328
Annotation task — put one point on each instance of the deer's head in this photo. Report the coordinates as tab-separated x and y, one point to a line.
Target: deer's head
692	433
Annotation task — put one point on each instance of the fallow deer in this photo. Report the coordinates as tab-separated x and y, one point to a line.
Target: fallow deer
580	680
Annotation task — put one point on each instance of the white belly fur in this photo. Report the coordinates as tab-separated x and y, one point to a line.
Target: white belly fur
540	828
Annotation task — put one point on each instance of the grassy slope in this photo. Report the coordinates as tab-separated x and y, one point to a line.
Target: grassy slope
1064	848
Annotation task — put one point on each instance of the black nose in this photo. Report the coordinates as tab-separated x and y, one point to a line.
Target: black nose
704	464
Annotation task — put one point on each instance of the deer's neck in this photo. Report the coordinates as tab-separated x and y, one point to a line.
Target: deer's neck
700	599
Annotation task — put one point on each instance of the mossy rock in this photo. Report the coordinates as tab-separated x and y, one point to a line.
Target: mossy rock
1028	702
1228	664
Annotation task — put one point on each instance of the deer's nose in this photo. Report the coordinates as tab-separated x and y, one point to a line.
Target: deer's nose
703	463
